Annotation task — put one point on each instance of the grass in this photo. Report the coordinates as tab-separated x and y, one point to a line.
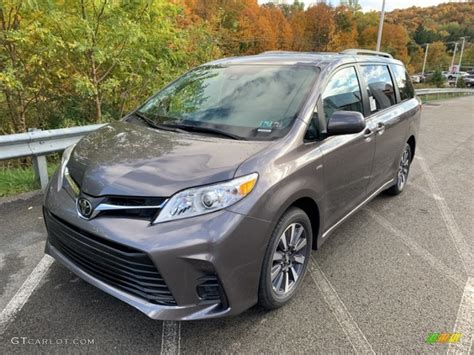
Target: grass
17	180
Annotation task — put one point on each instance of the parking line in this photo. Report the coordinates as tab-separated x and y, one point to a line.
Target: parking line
24	292
355	336
422	252
453	229
171	337
464	321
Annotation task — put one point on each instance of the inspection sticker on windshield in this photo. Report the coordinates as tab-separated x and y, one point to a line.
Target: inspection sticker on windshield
267	126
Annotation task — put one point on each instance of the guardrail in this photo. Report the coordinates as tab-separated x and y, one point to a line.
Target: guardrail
38	144
437	92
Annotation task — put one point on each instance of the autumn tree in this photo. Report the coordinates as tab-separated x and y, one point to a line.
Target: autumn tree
290	9
345	35
417	55
394	40
297	22
319	27
280	25
352	5
437	58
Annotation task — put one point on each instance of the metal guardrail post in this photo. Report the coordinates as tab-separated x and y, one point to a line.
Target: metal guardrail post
40	166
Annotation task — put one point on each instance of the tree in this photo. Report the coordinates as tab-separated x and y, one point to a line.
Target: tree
115	51
422	35
352	5
366	19
468	56
345	35
437	79
289	10
417	55
25	63
437	58
394	40
319	27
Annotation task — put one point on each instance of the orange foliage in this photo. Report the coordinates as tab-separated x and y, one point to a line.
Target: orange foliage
394	40
244	27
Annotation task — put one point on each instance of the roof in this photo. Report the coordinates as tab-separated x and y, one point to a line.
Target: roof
310	58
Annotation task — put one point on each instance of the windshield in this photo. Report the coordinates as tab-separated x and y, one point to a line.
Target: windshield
248	101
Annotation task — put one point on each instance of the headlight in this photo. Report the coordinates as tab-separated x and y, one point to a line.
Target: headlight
206	199
62	168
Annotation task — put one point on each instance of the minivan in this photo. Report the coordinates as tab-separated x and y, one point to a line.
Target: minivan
209	197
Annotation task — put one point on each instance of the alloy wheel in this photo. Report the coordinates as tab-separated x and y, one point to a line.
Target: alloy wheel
288	259
403	168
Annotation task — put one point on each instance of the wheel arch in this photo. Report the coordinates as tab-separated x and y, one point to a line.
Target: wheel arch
311	208
412	143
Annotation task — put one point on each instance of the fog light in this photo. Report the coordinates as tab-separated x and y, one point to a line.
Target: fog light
209	288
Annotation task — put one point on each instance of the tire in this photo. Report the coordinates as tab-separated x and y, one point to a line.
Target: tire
402	172
276	291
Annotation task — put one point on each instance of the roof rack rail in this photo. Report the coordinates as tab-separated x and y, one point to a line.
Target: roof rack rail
276	52
366	52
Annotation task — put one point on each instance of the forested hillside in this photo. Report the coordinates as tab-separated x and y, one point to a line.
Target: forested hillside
75	62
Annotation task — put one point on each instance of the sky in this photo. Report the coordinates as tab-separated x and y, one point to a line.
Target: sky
368	5
394	4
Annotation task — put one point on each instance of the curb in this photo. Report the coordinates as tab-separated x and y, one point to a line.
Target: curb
22	196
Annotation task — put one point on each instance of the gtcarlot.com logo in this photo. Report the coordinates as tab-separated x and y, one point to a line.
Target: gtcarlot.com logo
48	341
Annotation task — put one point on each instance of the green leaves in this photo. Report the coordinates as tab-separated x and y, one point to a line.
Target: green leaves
96	58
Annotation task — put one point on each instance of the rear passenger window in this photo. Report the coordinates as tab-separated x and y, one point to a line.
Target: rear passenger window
379	87
342	93
404	83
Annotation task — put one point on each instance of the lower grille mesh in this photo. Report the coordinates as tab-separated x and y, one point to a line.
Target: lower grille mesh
119	266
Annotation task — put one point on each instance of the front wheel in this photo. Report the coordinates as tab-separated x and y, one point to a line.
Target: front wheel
286	259
402	172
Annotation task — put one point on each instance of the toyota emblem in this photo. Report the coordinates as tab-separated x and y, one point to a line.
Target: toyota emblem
84	207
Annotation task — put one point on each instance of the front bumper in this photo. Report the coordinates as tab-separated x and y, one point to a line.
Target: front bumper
184	252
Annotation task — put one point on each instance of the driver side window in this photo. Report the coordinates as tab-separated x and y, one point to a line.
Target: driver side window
342	93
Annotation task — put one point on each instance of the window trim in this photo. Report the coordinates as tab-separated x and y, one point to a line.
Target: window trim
368	113
399	96
320	105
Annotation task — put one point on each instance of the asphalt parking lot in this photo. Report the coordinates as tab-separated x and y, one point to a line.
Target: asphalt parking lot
396	271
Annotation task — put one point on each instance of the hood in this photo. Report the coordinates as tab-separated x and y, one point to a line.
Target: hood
134	160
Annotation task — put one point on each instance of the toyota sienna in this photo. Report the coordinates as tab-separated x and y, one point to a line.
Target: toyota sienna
209	198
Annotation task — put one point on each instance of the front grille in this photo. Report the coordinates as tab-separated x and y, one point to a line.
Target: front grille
139	213
119	266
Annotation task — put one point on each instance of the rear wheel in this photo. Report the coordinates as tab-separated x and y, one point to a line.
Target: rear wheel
402	172
286	259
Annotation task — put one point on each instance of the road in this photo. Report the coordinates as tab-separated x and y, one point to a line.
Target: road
396	271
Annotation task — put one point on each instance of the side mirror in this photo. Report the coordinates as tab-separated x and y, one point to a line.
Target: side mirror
345	122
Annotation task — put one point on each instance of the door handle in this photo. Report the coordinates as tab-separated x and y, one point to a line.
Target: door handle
368	134
380	128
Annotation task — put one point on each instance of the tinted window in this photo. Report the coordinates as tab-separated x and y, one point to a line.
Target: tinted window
379	87
404	83
342	93
258	101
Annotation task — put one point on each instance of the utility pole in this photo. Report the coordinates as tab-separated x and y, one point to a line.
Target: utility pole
379	37
460	58
424	60
454	55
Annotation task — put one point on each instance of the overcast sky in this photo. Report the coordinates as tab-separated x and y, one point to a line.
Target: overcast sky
393	4
368	5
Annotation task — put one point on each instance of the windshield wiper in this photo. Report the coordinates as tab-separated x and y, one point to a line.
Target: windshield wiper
152	124
203	129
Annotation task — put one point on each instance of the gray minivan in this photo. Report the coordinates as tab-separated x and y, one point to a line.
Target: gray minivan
208	198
